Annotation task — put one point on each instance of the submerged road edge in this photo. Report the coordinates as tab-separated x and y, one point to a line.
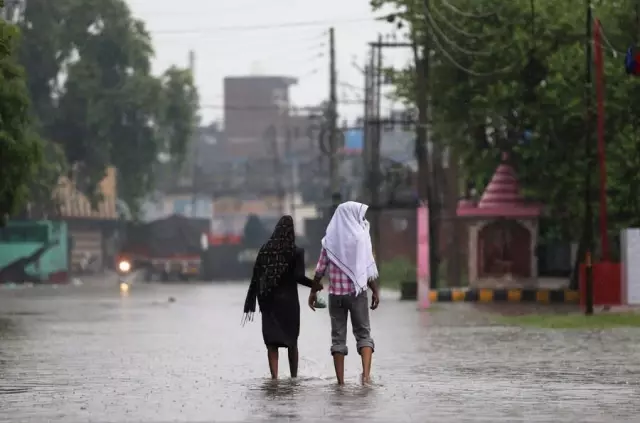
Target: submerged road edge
408	292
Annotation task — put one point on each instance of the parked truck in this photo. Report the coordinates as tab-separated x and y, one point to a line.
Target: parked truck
166	249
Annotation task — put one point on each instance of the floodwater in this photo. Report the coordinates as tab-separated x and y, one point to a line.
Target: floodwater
91	354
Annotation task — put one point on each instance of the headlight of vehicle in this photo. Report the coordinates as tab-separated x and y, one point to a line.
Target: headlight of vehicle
124	266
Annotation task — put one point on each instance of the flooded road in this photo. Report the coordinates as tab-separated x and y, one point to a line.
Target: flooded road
89	354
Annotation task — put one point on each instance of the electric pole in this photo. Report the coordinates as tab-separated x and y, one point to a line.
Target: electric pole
375	145
289	163
277	168
366	130
334	163
373	130
294	190
588	212
426	180
195	150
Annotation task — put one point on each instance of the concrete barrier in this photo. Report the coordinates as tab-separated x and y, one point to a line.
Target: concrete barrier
504	295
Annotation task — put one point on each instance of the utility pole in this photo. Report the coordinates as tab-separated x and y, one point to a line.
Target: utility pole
426	184
195	149
366	130
334	163
373	128
375	145
277	168
295	184
588	212
290	163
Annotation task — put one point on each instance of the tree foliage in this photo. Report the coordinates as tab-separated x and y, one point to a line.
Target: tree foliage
20	149
510	76
89	75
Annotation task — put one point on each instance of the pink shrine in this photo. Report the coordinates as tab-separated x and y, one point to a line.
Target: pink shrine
503	233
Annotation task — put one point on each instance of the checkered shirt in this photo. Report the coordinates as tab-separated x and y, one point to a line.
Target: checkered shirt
339	282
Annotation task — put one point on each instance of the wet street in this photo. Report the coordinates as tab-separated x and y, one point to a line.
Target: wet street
88	353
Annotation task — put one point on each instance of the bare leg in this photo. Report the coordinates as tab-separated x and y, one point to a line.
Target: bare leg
366	354
272	355
362	331
338	363
338	313
293	361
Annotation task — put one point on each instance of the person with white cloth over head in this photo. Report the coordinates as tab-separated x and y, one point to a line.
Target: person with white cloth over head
347	257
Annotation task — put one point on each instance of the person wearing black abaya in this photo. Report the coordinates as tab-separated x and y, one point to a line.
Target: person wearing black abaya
279	267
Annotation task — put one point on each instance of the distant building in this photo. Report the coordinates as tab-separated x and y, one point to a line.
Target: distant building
74	204
266	161
256	109
183	190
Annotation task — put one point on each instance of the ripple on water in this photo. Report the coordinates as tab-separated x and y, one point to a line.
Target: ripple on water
96	357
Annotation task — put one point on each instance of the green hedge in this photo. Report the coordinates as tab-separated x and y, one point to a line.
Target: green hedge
394	272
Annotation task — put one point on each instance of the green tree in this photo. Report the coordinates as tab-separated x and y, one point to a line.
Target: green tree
502	70
20	150
89	65
179	111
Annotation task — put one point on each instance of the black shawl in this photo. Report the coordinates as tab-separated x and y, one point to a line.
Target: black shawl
273	261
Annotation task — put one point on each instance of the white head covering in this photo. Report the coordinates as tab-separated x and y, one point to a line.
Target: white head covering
348	244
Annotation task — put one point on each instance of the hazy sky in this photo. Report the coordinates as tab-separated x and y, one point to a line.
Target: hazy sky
277	37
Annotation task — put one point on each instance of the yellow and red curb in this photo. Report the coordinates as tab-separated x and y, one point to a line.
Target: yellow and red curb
500	295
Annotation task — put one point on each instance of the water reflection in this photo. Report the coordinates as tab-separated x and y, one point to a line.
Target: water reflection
93	355
279	400
359	397
292	399
8	330
279	389
7	326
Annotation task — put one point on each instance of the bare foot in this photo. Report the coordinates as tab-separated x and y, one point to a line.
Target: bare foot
365	381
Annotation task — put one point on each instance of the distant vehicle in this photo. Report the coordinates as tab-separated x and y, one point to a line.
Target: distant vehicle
167	249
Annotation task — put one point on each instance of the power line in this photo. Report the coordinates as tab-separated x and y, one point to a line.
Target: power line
217	10
607	44
292	56
462	68
431	11
262	107
282	25
454	9
449	41
310	73
438	33
221	42
455	28
351	86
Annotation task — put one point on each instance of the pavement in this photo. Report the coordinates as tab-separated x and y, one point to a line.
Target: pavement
178	353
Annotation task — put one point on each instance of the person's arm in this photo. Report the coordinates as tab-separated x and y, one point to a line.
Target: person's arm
299	269
375	293
321	268
373	286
